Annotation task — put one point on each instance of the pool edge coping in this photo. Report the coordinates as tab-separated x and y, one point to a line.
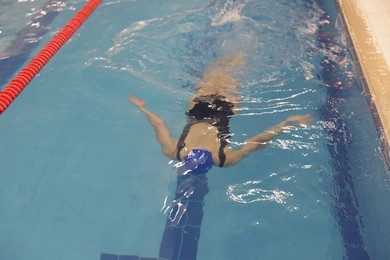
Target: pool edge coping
373	71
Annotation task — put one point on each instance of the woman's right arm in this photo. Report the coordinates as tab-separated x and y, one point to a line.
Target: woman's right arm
163	135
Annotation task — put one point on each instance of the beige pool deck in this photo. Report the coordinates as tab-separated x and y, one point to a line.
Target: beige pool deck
368	23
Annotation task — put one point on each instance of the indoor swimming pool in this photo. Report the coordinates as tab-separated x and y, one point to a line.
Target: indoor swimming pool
83	177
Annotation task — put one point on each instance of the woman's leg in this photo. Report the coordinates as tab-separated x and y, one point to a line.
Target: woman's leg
219	79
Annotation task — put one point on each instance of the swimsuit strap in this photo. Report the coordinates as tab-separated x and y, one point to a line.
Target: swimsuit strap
180	142
221	152
223	135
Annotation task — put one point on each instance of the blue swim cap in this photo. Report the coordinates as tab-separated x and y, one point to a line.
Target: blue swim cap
196	162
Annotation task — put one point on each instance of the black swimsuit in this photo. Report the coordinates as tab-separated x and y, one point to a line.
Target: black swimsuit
212	109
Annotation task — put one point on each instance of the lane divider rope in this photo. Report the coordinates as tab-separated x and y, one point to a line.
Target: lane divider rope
20	81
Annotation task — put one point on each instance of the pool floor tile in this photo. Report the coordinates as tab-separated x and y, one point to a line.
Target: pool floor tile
128	257
125	257
108	257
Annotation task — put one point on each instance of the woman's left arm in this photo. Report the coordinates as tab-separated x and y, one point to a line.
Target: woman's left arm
260	141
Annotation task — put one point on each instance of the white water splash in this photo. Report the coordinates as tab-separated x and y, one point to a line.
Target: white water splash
126	36
230	13
250	192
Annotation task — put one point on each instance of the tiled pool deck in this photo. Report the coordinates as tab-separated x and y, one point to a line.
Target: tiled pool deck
368	23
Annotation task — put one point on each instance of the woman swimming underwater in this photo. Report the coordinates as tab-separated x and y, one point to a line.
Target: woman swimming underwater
204	141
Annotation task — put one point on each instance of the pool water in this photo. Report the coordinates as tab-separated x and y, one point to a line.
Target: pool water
82	174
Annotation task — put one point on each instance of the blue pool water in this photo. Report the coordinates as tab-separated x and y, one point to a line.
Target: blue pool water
81	174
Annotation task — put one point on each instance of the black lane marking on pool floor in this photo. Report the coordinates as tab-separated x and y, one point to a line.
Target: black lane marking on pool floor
345	201
182	228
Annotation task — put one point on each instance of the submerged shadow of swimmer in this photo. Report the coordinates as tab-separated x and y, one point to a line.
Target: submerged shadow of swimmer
204	143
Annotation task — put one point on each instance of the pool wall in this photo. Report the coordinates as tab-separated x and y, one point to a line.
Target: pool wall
374	74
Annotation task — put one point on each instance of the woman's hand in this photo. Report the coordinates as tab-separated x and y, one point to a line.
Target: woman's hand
138	102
